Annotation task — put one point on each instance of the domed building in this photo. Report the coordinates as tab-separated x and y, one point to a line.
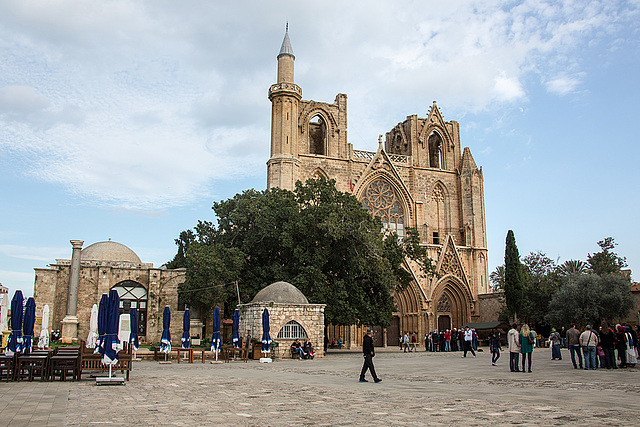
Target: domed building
71	287
290	317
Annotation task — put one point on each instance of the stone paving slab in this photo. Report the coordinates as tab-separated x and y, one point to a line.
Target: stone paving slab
417	389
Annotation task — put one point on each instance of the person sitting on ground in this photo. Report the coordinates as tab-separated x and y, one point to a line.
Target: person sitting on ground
333	343
307	348
296	347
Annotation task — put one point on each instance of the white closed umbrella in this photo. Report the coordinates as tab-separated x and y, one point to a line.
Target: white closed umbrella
43	341
92	338
4	312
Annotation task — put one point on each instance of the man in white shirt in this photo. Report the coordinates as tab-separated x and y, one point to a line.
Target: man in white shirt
468	337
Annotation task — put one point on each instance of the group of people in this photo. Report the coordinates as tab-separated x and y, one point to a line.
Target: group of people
520	343
442	341
599	347
304	351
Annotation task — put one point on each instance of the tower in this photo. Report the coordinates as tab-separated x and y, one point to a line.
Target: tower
283	166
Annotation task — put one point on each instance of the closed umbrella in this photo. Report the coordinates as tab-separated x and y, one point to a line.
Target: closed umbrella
111	344
14	343
92	338
133	336
43	341
215	338
235	336
266	339
4	311
165	342
102	322
186	325
28	323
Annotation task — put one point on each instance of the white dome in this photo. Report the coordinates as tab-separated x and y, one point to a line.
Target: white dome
109	251
281	292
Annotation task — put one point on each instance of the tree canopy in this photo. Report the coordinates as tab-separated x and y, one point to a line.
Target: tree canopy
590	298
606	261
317	238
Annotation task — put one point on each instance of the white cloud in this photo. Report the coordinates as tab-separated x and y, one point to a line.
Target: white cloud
563	84
34	253
144	105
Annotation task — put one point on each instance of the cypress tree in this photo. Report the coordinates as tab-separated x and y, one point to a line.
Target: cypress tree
513	286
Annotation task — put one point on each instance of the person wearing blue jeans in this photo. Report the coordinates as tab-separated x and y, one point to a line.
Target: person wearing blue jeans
573	342
589	341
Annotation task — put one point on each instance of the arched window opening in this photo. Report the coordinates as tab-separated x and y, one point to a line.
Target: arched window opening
382	201
291	331
317	135
133	295
435	151
438	199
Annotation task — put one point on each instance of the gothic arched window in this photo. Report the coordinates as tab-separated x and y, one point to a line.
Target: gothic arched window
435	151
382	201
317	135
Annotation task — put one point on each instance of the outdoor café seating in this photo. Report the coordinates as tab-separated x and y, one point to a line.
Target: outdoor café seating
32	366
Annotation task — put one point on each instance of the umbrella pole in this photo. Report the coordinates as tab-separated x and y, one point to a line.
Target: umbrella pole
110	370
216	354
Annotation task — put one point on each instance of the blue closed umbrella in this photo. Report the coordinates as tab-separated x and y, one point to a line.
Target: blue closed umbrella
186	325
111	343
235	336
14	343
102	322
27	325
165	342
133	336
215	325
266	339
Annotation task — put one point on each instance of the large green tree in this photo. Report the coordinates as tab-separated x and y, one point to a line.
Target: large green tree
540	283
606	261
590	298
319	239
513	284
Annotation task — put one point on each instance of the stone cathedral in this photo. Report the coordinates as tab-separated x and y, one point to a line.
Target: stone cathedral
420	177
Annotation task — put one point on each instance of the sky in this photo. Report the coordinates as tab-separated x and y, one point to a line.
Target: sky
128	119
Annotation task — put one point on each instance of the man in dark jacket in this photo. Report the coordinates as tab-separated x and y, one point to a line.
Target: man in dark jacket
368	352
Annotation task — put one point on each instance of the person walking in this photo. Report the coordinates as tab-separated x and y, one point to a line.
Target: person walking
368	352
513	340
573	342
495	347
406	342
589	341
468	338
556	344
527	339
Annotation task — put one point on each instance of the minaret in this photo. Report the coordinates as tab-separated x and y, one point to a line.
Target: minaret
283	165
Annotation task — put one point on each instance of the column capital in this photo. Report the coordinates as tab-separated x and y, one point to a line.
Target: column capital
77	244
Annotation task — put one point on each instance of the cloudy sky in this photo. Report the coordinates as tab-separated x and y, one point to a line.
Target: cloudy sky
128	119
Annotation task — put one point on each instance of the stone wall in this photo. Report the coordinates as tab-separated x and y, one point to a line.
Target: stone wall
490	306
309	316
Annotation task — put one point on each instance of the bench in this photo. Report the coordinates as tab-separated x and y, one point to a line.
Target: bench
93	362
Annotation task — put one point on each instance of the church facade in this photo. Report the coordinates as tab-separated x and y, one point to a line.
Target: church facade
419	177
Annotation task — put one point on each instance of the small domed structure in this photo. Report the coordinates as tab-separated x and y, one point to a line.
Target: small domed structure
282	293
109	251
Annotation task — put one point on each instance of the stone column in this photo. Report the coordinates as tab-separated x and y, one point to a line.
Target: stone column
70	321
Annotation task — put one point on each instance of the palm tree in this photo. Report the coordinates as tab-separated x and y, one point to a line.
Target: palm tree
572	266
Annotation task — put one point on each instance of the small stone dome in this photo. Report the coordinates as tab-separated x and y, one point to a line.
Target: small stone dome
109	251
281	292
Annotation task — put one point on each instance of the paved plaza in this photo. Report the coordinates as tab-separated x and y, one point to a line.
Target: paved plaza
418	389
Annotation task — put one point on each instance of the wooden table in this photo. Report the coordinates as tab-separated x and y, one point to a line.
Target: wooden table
181	350
199	351
32	363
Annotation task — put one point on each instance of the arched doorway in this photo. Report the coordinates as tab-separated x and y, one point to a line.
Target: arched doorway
453	302
134	295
